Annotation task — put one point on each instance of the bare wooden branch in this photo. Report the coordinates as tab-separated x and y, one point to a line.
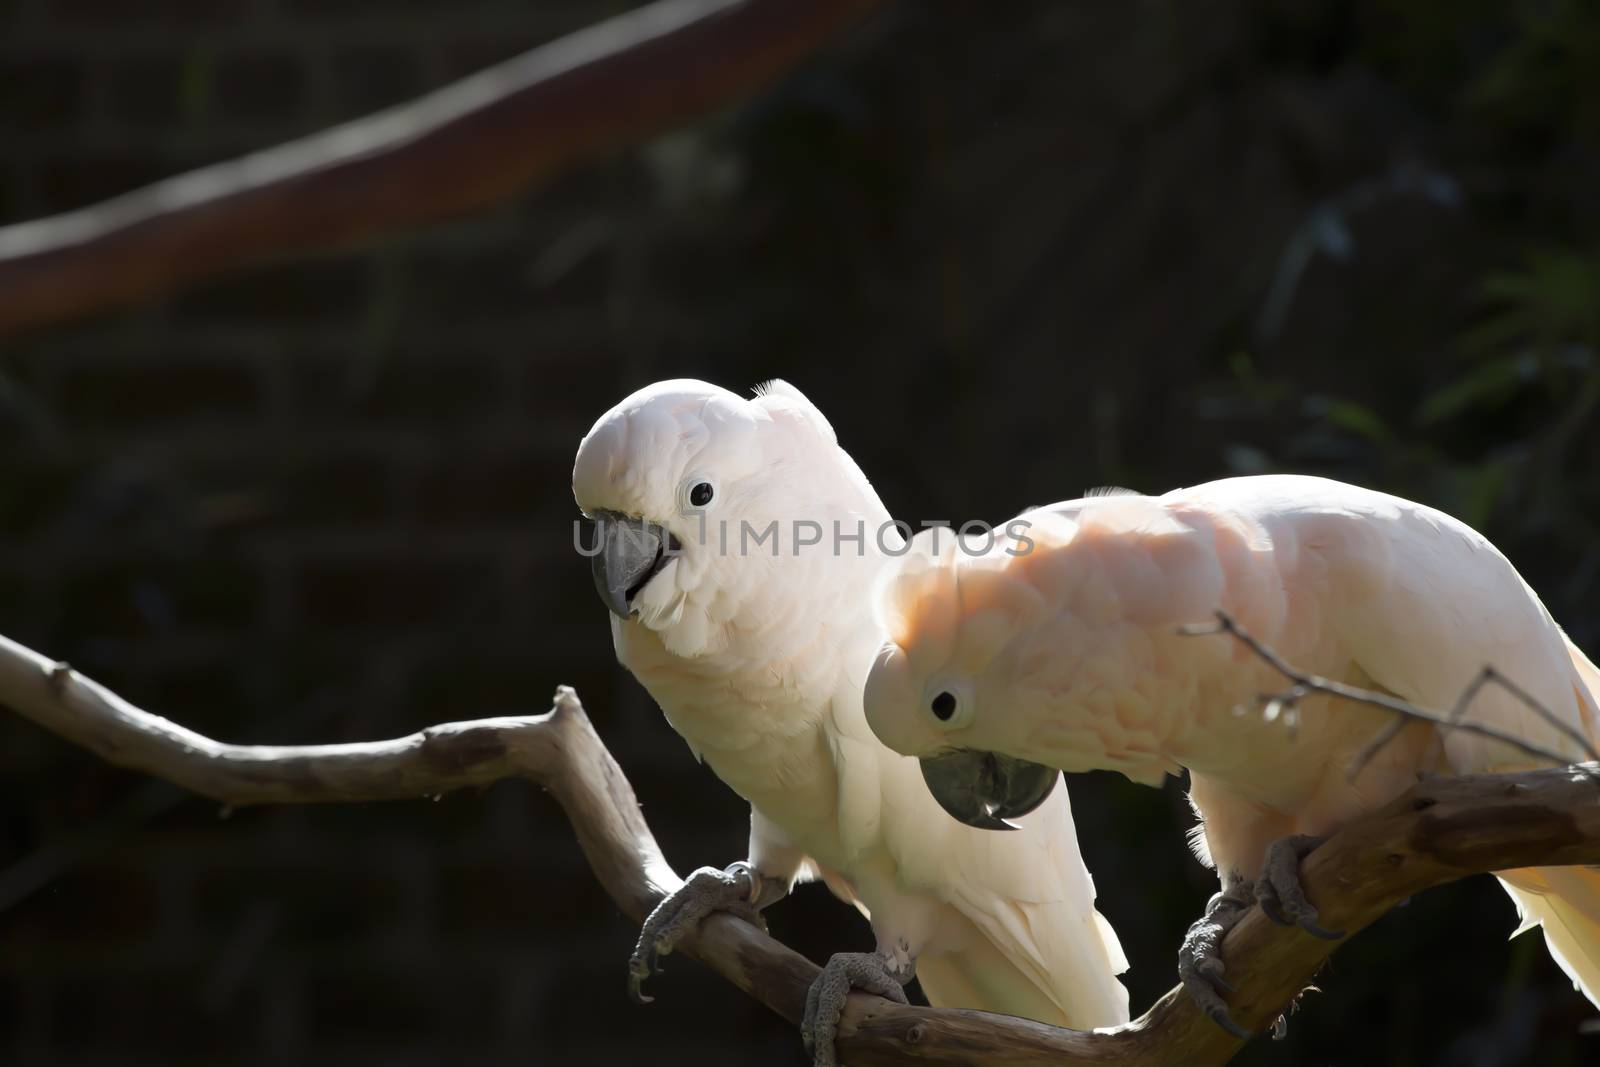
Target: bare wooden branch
1439	831
1442	830
469	145
558	750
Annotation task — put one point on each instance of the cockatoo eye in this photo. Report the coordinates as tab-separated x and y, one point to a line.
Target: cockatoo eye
696	492
950	704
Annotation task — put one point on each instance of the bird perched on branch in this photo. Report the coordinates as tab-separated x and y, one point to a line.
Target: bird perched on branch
737	549
1066	649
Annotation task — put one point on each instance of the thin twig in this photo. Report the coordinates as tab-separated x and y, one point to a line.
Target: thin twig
1394	729
1314	683
1528	701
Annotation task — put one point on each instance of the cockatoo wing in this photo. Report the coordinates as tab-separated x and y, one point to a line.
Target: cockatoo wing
1060	944
1421	603
1425	609
1451	605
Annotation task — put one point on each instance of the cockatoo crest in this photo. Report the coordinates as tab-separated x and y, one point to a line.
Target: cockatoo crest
779	397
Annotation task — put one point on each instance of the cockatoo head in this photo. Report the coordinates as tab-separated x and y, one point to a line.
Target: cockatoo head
685	480
1032	650
953	613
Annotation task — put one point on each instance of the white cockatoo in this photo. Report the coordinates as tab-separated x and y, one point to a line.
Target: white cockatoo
1063	648
737	549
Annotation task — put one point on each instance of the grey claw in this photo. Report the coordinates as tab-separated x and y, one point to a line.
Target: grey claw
1202	989
825	1000
1220	1016
637	973
1269	908
1220	982
1200	968
1279	893
705	891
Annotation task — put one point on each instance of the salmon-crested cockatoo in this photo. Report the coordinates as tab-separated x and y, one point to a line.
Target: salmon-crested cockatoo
737	546
1062	649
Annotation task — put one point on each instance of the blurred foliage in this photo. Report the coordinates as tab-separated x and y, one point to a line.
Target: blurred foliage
1500	429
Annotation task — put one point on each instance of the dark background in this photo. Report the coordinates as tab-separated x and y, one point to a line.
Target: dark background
1012	251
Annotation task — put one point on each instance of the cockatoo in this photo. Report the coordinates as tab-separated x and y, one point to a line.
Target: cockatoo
1061	648
737	549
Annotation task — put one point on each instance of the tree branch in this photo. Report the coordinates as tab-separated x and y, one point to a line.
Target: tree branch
469	145
1442	830
1439	831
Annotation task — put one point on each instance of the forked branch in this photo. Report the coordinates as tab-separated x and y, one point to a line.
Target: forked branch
1441	831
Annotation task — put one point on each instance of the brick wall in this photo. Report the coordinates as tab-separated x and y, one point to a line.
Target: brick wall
329	500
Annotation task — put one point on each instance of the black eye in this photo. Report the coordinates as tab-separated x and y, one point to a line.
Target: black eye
944	706
701	494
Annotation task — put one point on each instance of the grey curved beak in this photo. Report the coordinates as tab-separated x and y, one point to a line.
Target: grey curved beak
630	552
985	789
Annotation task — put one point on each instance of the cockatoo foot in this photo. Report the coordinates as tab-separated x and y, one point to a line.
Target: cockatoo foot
870	971
1278	889
1200	966
737	890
